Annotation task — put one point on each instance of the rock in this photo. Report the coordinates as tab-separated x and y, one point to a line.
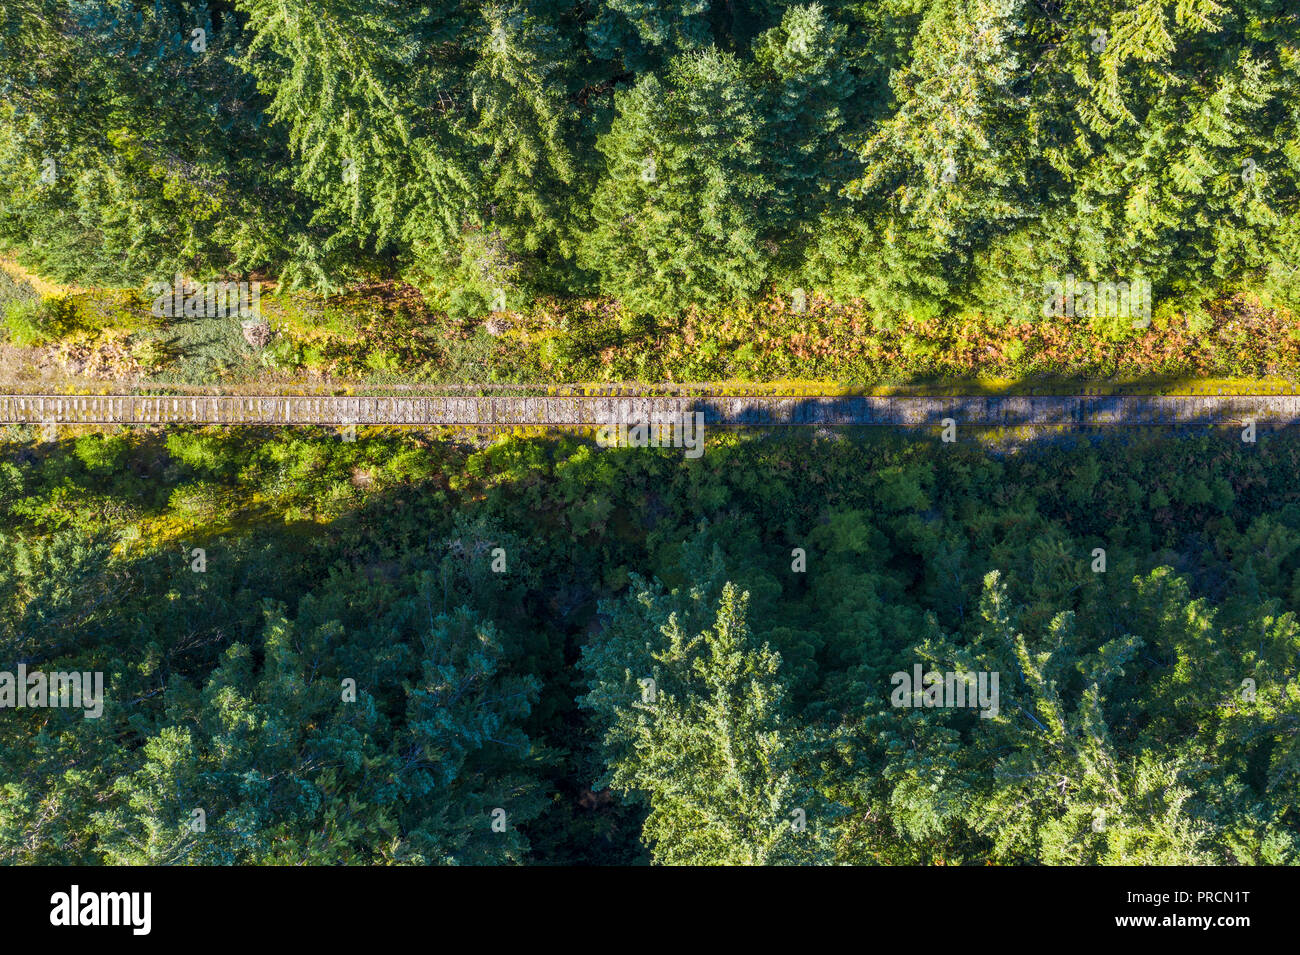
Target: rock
257	332
497	325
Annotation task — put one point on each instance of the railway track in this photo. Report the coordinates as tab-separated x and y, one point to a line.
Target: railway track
721	411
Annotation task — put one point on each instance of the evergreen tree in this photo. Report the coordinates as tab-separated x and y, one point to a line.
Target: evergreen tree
372	98
678	216
808	87
526	128
132	147
710	750
946	169
643	34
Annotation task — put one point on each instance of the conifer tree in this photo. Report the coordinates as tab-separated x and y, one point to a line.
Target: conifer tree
678	216
946	169
644	34
807	88
525	127
372	98
131	146
712	754
295	760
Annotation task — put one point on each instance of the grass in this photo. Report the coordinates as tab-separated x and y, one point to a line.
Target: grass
199	351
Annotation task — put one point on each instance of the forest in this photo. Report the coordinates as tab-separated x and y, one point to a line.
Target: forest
501	607
514	646
926	158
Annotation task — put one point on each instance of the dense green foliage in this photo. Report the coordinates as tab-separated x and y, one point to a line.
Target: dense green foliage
925	155
426	648
500	608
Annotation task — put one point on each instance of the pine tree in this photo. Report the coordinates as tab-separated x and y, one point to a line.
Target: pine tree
708	747
807	90
643	34
946	169
131	146
678	215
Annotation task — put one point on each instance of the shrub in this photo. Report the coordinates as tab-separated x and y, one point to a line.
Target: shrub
37	321
23	319
101	454
150	353
202	453
199	501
